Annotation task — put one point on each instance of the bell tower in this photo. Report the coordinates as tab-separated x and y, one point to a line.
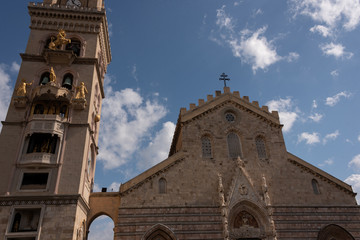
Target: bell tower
49	139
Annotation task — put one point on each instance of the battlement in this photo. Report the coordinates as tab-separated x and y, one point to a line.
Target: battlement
236	94
64	7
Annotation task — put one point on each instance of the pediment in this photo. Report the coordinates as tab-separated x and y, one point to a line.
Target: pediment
242	189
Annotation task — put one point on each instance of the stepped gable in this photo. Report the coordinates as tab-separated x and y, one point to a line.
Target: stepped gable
214	102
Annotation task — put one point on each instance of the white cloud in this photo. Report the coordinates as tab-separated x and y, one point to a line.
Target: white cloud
114	187
293	56
127	118
286	113
355	162
15	67
309	138
332	101
359	138
252	47
96	188
157	149
101	228
334	73
316	117
336	50
327	162
134	73
257	12
224	20
5	92
314	104
354	181
324	31
331	136
345	13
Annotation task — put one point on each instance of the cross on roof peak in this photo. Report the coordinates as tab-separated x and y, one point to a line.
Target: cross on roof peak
223	77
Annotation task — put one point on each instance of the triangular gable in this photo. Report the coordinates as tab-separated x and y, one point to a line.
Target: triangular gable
212	103
320	173
151	173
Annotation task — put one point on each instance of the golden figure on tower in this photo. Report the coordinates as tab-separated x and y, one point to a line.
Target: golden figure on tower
21	90
52	75
81	91
59	41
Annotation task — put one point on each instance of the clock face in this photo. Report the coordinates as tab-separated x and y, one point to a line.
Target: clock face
73	3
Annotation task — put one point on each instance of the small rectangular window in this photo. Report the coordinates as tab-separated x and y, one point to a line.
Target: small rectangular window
34	181
25	220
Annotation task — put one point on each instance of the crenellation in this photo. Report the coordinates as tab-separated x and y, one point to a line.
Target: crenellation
255	103
236	94
246	98
210	97
226	90
201	102
183	111
265	108
192	106
217	93
275	114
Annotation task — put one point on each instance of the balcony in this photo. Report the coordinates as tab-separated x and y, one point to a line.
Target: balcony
46	123
38	158
52	91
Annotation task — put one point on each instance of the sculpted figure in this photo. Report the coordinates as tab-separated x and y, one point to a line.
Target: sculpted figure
21	90
60	40
52	75
81	91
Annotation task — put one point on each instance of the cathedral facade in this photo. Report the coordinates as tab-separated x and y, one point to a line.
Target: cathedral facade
228	175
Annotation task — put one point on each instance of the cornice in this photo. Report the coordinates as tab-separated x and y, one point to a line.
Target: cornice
38	200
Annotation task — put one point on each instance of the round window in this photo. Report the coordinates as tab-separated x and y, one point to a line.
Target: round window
230	117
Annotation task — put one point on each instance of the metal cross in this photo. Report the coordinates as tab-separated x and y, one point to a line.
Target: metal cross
223	77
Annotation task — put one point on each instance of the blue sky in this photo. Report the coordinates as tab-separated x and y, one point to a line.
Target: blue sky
300	57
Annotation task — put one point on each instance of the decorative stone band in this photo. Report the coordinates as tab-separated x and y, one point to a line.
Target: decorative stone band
39	200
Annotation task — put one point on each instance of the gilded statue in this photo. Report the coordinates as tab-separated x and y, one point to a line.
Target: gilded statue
81	91
21	90
52	75
59	40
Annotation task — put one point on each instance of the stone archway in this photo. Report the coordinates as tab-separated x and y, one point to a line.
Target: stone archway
247	221
159	232
334	232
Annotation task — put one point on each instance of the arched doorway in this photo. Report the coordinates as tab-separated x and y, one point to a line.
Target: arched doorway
101	228
334	232
247	221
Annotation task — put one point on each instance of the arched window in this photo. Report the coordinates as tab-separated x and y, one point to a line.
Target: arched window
333	231
63	111
159	232
315	186
67	81
45	78
74	46
39	109
206	147
260	147
162	185
234	145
